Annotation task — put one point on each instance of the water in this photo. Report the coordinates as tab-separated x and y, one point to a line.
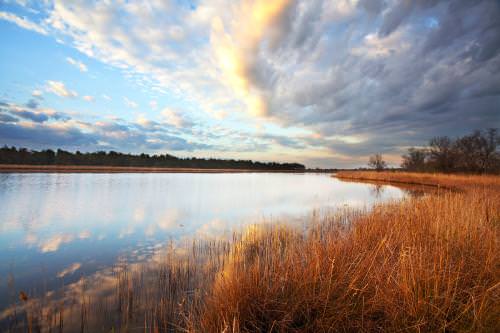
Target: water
54	228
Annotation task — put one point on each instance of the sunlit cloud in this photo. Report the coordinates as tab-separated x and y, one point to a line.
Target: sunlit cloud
37	93
361	75
69	270
53	243
78	64
22	22
58	88
236	43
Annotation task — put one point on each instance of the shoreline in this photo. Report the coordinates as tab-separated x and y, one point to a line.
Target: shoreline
452	182
423	262
18	168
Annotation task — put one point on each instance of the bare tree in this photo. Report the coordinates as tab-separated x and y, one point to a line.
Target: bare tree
415	159
377	162
477	152
442	153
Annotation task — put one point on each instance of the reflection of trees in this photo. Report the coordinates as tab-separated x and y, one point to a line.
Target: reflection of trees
377	190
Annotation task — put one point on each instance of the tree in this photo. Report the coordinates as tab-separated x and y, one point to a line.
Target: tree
442	153
491	153
377	162
415	159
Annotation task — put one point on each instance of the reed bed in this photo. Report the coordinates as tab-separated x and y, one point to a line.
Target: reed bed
425	264
447	181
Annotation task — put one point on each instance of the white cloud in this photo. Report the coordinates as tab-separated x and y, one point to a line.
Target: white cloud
69	270
78	64
106	97
37	93
129	103
53	243
88	98
23	22
358	73
172	117
58	88
153	104
176	32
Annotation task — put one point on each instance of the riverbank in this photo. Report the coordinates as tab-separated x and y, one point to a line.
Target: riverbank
428	263
18	168
445	181
424	264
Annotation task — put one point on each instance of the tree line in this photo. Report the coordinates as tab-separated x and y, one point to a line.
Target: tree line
477	152
12	155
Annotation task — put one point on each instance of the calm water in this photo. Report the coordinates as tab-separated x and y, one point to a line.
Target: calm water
54	228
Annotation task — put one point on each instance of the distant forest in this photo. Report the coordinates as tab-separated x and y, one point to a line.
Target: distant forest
12	155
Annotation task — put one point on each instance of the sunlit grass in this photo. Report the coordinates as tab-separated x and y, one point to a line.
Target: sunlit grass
430	263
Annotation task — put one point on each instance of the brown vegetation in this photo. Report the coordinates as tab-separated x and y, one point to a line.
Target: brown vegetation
425	264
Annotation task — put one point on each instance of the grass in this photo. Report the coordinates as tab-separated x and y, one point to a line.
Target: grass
426	264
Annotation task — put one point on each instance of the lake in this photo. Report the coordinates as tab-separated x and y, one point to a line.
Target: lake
55	228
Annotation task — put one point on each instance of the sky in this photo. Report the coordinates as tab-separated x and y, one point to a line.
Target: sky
321	82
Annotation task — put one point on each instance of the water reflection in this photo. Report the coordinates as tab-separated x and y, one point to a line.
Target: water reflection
55	228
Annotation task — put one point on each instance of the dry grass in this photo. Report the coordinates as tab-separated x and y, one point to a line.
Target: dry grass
426	264
450	181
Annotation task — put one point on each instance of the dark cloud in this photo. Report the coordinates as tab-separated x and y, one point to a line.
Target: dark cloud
37	116
395	16
6	118
397	72
393	72
33	116
43	135
32	104
372	6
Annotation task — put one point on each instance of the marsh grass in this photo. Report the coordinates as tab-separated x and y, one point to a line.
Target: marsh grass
425	264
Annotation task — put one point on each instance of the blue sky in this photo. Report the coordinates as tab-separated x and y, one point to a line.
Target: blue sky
325	83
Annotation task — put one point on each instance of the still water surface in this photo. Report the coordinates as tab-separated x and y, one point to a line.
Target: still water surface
54	228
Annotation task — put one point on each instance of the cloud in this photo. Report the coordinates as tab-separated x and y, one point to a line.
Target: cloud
394	73
6	118
78	64
88	98
30	111
130	104
58	88
49	128
32	104
52	244
37	93
69	270
236	45
153	104
173	118
22	22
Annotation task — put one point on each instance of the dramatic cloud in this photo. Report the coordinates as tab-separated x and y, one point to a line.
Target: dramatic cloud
323	81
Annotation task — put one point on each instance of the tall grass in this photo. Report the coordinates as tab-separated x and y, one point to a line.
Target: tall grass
427	264
430	263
